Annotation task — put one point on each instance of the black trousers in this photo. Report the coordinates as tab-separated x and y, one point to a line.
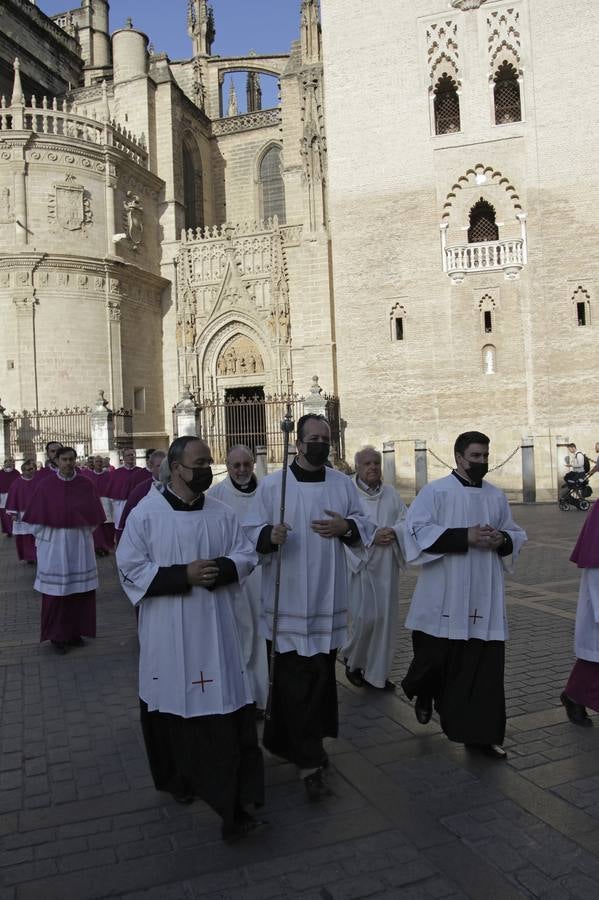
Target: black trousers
464	679
304	708
216	758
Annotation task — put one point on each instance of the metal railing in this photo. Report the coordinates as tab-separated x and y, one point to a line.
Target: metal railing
256	421
30	431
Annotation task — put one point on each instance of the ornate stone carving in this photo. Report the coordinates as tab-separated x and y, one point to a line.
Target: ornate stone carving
467	4
504	43
313	144
260	118
114	310
24	305
6	206
69	205
134	219
239	356
443	52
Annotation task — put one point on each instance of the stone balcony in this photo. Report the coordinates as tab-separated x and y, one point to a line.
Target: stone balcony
507	256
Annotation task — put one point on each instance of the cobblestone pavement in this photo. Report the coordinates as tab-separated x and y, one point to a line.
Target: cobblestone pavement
414	816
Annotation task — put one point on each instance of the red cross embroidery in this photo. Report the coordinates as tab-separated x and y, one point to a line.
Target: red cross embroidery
203	681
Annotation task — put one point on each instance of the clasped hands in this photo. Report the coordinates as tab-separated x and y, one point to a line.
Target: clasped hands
202	573
336	526
384	537
485	537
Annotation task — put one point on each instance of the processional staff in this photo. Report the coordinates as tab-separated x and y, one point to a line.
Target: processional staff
287	426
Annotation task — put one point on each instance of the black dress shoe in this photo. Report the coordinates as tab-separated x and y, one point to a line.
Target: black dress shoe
60	647
316	787
355	677
423	709
243	825
576	712
495	751
76	642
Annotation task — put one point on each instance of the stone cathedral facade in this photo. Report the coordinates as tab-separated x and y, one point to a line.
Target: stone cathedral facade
412	219
157	230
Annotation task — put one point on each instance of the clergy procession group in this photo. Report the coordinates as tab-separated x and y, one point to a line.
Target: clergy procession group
247	593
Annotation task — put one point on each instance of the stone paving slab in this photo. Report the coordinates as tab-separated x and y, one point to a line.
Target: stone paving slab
413	816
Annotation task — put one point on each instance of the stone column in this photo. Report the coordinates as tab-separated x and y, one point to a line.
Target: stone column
26	351
114	348
529	486
102	427
389	470
187	415
4	434
420	465
561	452
260	468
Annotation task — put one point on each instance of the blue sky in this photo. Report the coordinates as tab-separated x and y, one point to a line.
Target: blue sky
265	26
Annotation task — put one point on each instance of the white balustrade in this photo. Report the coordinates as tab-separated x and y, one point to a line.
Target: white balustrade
463	259
61	120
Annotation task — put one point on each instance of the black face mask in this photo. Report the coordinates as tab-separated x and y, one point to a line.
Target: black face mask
477	471
201	479
317	453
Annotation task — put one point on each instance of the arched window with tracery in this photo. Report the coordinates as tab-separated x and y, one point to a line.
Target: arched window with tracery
272	186
506	95
482	223
193	187
446	105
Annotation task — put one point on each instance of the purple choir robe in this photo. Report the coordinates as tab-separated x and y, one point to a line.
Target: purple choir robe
6	481
64	513
19	496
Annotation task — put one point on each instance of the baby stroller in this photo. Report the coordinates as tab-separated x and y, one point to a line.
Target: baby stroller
575	492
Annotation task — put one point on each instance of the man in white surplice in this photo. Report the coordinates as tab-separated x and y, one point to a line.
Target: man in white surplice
374	579
237	490
461	531
322	513
180	559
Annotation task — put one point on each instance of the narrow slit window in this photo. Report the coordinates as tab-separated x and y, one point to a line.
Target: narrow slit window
581	313
139	399
488	321
399	329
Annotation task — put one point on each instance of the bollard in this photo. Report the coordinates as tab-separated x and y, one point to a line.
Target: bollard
561	454
260	462
187	415
389	471
420	465
4	434
529	485
102	426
